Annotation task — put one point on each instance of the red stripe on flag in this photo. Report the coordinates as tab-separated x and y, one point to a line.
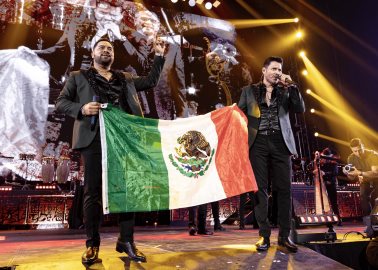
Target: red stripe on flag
232	157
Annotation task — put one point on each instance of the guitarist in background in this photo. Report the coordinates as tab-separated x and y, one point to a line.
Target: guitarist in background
366	172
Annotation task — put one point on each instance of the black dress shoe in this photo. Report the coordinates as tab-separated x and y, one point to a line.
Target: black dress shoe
205	232
130	249
285	244
263	244
90	256
219	228
192	230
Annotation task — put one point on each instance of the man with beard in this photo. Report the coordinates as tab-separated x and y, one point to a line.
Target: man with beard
366	172
76	100
271	141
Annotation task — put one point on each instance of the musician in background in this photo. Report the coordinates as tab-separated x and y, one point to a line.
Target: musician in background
366	172
328	166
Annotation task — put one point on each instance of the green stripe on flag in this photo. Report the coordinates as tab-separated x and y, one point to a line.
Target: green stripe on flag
137	174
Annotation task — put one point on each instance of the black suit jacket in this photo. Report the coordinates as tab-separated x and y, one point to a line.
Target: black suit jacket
289	99
78	92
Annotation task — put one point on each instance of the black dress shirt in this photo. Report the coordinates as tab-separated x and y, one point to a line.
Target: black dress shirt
108	90
269	114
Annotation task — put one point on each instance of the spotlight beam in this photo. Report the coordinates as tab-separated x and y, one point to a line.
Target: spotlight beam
339	105
332	139
285	43
345	116
334	42
318	81
331	117
259	22
257	15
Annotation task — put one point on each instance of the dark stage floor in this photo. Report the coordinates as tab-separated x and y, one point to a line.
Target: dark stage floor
165	247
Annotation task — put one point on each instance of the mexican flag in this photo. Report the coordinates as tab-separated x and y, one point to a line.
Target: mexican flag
150	165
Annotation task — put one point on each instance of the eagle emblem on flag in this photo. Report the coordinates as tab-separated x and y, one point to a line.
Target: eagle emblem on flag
193	154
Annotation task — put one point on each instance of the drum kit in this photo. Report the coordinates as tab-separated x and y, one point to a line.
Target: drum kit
62	171
48	169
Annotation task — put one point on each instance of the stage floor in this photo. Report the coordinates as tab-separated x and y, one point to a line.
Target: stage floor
166	248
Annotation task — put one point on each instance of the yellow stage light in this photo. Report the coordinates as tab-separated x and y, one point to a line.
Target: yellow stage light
316	134
308	91
296	20
304	72
312	110
329	97
299	35
332	139
258	22
346	115
207	10
216	4
302	54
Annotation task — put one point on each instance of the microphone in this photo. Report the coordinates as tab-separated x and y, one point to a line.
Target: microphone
288	81
94	117
110	35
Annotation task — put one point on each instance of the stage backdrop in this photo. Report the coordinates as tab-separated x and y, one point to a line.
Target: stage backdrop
41	41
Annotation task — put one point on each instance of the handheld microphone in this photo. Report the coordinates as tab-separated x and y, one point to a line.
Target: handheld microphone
94	117
110	35
288	81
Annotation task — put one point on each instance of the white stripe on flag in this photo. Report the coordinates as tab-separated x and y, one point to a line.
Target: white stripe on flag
104	155
187	191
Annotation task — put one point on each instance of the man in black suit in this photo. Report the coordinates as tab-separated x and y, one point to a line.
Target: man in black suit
77	99
267	105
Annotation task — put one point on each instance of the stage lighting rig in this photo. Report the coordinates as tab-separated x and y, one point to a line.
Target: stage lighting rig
207	4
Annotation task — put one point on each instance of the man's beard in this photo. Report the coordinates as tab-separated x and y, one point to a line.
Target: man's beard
104	61
272	80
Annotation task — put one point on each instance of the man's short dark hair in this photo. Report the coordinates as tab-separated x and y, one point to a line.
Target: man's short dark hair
355	142
272	59
102	39
327	152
